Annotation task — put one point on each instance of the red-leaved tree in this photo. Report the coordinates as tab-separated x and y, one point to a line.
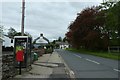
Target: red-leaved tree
88	30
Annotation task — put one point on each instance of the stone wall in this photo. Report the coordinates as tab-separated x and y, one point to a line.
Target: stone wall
8	69
0	59
1	47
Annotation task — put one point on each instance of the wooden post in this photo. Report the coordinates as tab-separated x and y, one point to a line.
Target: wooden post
108	49
23	13
20	68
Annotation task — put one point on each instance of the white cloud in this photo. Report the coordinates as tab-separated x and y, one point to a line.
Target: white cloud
49	18
53	0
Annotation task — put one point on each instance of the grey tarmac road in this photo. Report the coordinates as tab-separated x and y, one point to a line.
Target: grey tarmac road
88	66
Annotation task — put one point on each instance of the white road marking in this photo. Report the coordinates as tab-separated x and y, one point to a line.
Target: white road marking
116	70
92	61
71	72
77	55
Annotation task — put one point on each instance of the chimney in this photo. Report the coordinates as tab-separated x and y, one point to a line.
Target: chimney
41	35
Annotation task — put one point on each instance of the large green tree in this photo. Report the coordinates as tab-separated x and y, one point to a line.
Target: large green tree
112	22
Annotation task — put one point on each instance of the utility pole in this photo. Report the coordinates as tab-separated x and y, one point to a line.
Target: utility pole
23	13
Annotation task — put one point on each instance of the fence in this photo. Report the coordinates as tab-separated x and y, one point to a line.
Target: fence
114	49
7	48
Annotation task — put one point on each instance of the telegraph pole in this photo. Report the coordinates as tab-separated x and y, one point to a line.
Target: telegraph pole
23	13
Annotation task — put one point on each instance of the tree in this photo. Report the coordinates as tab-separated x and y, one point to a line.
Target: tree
64	39
111	10
113	24
96	27
1	31
11	32
112	18
60	39
28	34
54	42
88	29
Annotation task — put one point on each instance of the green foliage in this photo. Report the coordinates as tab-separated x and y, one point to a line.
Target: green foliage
55	45
113	23
11	32
64	39
114	56
54	42
114	42
96	28
60	39
28	34
49	48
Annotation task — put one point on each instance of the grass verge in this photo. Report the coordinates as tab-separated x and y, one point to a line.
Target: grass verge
115	56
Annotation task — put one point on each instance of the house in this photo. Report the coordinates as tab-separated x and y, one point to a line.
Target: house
40	41
7	42
63	45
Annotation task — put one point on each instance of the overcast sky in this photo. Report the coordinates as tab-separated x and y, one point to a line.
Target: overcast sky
50	18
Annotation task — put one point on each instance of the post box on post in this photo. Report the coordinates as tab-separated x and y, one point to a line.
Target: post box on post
22	52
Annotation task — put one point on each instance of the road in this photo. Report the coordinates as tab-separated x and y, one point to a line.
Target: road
88	66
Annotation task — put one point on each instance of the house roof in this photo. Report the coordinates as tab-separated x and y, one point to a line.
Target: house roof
62	43
41	39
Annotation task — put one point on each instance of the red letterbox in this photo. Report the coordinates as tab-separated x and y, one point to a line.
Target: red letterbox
20	55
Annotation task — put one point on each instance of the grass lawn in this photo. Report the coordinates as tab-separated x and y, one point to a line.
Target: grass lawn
115	56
